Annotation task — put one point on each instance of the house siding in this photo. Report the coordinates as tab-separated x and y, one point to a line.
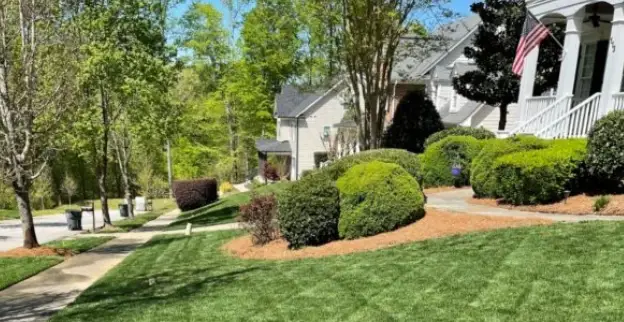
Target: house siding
488	117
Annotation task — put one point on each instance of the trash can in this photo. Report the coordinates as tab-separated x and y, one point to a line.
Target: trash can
74	219
123	210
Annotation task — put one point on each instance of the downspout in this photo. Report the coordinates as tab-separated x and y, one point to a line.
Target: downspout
297	148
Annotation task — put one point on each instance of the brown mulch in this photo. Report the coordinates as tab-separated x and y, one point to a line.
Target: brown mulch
435	224
575	205
36	252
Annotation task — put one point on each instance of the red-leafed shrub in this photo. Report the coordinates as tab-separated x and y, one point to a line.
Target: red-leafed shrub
258	217
193	194
270	172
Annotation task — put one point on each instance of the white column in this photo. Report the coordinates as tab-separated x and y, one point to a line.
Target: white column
571	48
614	67
527	82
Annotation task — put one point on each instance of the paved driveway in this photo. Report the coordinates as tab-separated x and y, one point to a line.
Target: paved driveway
48	228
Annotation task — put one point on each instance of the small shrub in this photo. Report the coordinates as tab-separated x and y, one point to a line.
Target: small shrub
269	172
309	210
605	150
226	187
442	156
477	133
193	194
482	176
415	120
377	197
407	160
258	218
540	176
601	203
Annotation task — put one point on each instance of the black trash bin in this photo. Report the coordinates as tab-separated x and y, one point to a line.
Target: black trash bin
74	219
123	210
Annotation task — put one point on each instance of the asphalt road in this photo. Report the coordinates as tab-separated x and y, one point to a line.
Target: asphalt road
48	228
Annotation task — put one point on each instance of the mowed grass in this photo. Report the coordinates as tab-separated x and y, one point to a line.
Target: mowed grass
13	270
564	272
225	210
112	204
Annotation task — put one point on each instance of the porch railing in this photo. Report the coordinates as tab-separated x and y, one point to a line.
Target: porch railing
617	102
576	122
535	105
542	118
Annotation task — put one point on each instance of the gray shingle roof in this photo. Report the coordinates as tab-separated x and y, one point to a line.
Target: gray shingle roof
462	114
273	146
411	66
292	100
462	68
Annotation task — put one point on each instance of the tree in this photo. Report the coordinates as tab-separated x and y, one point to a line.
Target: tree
493	52
35	94
372	35
69	186
415	120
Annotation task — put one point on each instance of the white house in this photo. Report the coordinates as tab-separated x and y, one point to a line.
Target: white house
592	68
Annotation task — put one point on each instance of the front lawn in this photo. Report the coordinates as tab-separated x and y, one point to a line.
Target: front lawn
16	269
224	210
565	272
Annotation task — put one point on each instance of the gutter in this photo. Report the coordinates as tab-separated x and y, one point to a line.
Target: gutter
297	148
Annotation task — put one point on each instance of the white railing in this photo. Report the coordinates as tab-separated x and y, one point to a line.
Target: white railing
536	104
540	119
575	123
617	102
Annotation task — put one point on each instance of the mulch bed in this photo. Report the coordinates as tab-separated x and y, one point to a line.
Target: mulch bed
435	224
575	205
37	252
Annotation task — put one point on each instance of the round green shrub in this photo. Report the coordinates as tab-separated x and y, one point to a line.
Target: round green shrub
308	211
377	197
477	133
482	176
407	160
540	176
605	149
440	157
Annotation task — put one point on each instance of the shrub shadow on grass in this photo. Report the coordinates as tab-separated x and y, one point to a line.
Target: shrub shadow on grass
222	215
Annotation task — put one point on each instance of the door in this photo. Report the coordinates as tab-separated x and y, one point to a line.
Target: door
585	72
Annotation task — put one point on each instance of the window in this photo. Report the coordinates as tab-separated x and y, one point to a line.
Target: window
454	103
326	132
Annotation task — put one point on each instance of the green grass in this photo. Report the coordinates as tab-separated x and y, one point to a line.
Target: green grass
565	272
112	204
224	210
13	270
126	225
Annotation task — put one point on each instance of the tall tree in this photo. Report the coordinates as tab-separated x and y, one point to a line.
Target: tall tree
372	35
34	88
493	52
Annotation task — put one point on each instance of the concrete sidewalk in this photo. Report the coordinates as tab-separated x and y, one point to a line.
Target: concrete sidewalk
455	200
39	297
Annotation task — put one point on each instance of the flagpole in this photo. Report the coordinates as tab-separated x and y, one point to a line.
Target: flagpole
549	33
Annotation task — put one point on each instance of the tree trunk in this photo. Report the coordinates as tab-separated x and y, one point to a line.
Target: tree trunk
70	199
128	194
103	162
502	122
28	226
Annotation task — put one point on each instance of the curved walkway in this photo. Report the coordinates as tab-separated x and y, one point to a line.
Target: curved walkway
455	201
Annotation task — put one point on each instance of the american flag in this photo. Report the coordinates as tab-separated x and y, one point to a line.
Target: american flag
533	33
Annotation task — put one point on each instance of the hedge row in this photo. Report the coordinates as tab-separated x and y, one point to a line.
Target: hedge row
540	176
193	194
477	133
483	177
451	152
407	160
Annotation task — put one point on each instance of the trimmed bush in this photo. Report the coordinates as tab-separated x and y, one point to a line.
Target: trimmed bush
226	187
477	133
482	176
439	159
605	150
258	217
540	176
193	194
377	197
407	160
309	210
